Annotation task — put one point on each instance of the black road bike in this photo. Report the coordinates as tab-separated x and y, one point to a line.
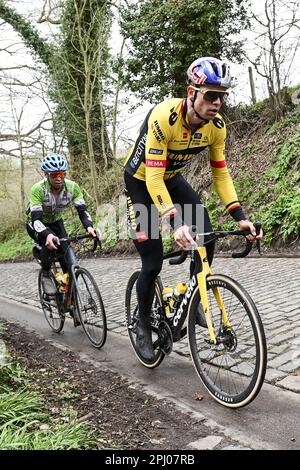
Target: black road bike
82	298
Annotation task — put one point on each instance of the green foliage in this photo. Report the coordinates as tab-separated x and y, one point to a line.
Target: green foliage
11	376
247	151
275	198
17	243
284	211
215	209
40	47
24	425
78	81
71	73
112	183
244	186
281	217
290	119
289	157
166	36
168	243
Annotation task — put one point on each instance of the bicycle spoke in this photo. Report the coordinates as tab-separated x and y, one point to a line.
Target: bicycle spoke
51	308
132	315
90	308
234	368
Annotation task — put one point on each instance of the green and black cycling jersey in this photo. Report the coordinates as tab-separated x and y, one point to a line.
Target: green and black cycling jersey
45	208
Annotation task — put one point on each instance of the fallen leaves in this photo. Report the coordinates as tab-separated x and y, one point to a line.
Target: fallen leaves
198	397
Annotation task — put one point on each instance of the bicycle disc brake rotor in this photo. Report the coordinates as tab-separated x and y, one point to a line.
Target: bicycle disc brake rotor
165	338
228	340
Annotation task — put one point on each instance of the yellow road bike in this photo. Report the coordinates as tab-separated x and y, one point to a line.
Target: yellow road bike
225	333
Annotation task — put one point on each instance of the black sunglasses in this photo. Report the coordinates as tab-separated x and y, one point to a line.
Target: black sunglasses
212	96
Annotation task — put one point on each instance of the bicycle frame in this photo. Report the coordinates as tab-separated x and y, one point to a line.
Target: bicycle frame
198	279
71	260
201	271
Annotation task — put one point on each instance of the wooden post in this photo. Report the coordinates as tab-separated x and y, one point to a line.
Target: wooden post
253	95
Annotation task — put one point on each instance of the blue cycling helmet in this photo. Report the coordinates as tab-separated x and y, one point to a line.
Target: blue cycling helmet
54	162
209	71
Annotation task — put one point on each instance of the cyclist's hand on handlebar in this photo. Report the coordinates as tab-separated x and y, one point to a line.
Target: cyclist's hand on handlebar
247	225
92	232
183	238
52	242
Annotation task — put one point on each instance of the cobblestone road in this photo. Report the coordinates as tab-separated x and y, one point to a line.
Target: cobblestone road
273	283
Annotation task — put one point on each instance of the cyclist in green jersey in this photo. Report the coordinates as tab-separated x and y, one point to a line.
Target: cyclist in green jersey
47	200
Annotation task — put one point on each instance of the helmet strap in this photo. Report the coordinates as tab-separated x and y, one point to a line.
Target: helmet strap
193	106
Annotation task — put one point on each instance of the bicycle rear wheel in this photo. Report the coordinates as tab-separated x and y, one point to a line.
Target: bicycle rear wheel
233	371
90	308
51	306
132	315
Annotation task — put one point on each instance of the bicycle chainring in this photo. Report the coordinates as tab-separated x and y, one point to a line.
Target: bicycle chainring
165	338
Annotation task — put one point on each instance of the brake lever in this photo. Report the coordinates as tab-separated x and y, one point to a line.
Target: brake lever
97	241
98	238
257	226
95	244
56	241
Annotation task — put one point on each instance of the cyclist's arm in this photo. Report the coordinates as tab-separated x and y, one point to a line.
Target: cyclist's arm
35	201
79	202
156	163
221	177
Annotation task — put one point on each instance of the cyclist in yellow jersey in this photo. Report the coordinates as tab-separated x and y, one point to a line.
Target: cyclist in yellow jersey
174	132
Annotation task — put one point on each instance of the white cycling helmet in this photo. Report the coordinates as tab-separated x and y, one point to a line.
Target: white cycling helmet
209	71
54	162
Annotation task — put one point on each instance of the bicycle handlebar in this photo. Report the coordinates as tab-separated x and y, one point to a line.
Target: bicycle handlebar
75	238
182	255
180	259
249	244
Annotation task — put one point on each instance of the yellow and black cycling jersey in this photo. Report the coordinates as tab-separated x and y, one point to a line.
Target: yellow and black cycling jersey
167	143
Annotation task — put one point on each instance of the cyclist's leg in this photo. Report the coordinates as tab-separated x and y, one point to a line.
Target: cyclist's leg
45	256
59	230
36	250
144	226
193	211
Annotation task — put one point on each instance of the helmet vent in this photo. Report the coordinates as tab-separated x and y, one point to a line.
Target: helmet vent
215	68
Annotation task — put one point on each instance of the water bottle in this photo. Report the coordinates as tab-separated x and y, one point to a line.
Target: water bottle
59	276
62	281
65	282
177	296
167	296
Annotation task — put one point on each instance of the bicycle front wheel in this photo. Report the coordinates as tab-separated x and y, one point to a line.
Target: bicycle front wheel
132	316
90	308
233	370
51	306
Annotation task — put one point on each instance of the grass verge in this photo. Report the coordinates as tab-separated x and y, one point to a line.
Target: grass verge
24	424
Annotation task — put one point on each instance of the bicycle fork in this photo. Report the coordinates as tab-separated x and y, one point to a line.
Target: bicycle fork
202	283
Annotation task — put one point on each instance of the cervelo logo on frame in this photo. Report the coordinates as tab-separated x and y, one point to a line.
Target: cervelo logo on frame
185	300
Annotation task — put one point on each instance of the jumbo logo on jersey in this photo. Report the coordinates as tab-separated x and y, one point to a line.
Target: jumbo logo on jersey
157	132
173	117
